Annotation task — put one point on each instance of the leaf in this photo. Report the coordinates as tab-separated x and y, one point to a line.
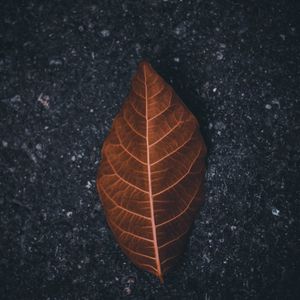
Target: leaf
150	179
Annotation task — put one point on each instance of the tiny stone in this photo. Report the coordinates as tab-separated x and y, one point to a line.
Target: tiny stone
38	147
16	98
69	214
88	185
44	100
220	55
55	62
131	280
275	211
176	59
214	90
105	33
4	144
282	37
206	258
73	158
268	106
127	291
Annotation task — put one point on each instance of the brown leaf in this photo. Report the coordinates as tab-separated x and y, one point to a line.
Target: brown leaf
150	179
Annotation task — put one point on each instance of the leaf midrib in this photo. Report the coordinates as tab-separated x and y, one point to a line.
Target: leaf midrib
153	225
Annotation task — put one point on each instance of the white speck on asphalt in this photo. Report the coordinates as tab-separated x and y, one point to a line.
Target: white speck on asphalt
44	100
38	147
282	36
105	33
275	211
69	214
16	98
220	55
268	106
88	185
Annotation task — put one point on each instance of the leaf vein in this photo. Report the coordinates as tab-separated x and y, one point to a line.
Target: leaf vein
138	253
123	179
181	178
128	232
122	207
174	151
132	128
184	210
164	110
165	135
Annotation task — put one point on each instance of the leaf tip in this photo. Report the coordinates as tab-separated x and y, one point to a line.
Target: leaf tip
161	279
145	67
144	63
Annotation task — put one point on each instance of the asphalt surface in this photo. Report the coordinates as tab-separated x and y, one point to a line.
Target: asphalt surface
65	69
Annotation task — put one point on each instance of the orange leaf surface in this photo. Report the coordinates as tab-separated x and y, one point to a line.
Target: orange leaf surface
150	178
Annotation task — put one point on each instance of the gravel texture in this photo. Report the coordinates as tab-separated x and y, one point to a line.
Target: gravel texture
65	68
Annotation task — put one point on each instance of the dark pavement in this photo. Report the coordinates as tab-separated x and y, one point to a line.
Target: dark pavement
65	69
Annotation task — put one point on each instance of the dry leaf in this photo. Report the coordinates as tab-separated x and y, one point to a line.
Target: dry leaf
150	178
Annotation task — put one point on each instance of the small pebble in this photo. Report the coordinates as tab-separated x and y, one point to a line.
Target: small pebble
88	185
55	62
44	100
105	33
268	106
220	55
16	98
38	147
126	291
69	214
282	37
275	211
